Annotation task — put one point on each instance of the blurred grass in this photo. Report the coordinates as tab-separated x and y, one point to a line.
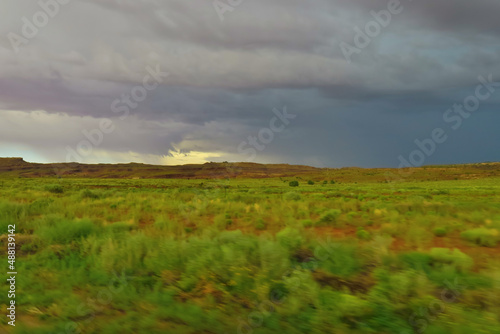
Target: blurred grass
200	256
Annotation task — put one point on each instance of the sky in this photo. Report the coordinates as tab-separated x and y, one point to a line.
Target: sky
327	83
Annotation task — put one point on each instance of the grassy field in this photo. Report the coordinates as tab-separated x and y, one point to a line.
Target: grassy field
333	255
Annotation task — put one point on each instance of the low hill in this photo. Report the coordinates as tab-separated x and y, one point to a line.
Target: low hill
17	167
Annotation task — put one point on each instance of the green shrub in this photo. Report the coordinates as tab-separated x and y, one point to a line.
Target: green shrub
340	259
363	234
293	183
277	292
162	224
292	196
352	306
64	231
330	194
260	224
416	260
482	236
222	221
40	204
120	227
307	223
87	193
29	247
289	238
439	231
440	192
455	257
329	217
54	188
351	215
310	182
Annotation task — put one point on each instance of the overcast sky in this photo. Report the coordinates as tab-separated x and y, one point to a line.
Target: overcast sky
176	81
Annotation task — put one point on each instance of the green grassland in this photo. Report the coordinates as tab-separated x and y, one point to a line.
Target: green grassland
335	255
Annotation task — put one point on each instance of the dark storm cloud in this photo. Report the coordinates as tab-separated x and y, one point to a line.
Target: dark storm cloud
227	76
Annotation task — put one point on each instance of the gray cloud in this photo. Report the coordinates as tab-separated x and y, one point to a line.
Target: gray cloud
226	77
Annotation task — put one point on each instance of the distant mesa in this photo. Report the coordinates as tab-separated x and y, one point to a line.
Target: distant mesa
18	168
13	161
